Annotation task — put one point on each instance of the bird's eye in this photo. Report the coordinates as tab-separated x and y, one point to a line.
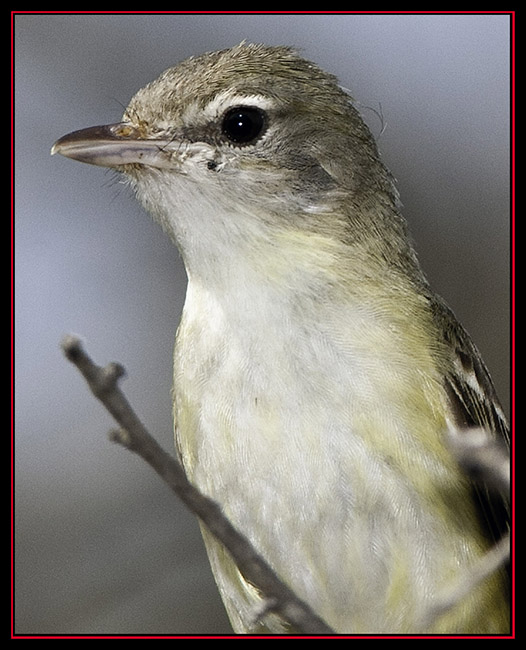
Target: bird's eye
244	124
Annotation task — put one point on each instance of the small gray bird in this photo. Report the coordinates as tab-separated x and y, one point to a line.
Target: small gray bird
317	378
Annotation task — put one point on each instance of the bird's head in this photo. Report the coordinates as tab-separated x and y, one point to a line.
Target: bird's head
245	143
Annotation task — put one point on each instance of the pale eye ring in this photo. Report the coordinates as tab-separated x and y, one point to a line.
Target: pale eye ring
243	125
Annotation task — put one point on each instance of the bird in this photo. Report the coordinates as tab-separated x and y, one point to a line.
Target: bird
317	375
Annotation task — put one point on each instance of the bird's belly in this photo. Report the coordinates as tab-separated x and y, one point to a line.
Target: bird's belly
337	518
319	458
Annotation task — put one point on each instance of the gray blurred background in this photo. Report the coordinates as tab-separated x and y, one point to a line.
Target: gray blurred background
102	546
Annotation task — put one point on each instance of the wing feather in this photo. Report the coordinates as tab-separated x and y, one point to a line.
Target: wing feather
474	403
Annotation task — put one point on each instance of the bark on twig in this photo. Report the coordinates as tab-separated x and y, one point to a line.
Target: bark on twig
103	382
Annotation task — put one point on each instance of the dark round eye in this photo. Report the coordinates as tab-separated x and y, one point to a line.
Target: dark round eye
244	124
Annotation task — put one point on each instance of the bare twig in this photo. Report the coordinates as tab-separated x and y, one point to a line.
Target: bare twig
103	382
495	558
486	460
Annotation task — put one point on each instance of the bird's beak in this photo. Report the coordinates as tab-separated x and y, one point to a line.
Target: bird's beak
114	145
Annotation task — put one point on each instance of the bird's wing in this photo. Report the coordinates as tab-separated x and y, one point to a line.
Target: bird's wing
474	403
